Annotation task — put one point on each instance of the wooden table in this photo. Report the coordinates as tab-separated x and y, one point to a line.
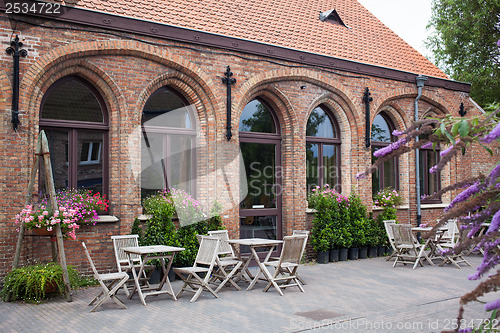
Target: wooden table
432	243
147	253
254	243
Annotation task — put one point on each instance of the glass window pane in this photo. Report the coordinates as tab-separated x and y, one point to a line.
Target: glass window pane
320	125
72	100
257	227
152	164
166	109
180	163
312	165
260	167
380	130
330	169
256	117
89	172
389	174
58	147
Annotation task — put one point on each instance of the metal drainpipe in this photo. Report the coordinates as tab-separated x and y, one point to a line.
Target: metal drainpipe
420	84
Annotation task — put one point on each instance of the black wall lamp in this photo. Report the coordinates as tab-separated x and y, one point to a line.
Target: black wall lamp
15	50
462	111
367	99
228	81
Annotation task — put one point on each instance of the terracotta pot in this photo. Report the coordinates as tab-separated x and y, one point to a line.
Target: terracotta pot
43	232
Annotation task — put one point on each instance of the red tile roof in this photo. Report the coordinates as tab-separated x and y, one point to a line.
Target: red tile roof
292	24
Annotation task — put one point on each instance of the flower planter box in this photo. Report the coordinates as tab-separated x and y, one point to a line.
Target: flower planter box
373	251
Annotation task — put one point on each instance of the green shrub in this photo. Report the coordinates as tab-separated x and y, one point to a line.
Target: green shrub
29	283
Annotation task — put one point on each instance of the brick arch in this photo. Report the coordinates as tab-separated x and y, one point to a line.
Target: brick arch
121	48
432	99
300	74
97	77
276	99
189	88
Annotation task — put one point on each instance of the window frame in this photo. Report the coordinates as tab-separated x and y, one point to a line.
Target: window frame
424	190
382	144
321	141
73	127
168	132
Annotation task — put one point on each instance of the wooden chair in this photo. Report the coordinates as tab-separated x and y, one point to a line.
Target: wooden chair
408	250
306	233
119	242
110	280
390	236
204	263
285	269
226	251
227	263
448	242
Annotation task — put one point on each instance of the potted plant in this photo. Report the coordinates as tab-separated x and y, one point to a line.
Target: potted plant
74	207
33	283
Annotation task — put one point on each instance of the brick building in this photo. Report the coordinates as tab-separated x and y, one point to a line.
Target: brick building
132	99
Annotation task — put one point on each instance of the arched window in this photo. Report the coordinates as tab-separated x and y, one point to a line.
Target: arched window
429	182
322	150
168	143
381	136
74	118
260	145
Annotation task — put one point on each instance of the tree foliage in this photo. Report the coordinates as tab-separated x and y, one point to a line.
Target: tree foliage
464	44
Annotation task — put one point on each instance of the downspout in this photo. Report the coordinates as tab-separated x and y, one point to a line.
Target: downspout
420	84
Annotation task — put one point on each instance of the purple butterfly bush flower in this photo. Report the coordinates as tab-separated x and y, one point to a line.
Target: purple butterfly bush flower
494	174
360	175
495	223
397	133
390	148
464	195
447	150
427	145
492	305
493	135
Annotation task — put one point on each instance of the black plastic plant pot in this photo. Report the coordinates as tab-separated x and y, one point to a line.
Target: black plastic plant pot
343	254
353	253
372	251
334	255
323	257
363	252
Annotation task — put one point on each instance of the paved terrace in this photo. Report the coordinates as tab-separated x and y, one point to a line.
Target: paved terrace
354	296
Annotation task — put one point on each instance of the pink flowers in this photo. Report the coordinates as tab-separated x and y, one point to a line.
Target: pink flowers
74	207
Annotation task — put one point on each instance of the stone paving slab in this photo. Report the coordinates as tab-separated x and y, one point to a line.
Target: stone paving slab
354	296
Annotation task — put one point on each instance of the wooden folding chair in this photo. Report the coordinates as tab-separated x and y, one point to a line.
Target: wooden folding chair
408	250
227	263
306	233
204	263
390	236
448	242
285	269
119	242
109	280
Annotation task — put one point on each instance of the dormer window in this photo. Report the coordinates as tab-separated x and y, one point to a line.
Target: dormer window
331	16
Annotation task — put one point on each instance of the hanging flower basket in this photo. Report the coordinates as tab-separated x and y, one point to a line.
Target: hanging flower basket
43	232
75	207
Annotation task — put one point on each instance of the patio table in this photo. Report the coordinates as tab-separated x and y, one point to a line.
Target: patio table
254	243
147	253
431	243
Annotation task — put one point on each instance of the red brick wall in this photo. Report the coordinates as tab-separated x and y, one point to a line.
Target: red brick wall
126	72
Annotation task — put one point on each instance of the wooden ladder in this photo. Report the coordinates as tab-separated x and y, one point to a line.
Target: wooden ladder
42	149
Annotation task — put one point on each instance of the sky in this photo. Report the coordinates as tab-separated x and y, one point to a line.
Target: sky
407	18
